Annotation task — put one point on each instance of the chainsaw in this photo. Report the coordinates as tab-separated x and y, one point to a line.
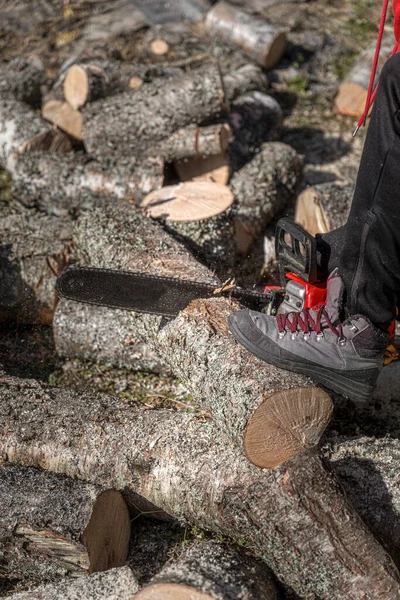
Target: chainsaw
300	288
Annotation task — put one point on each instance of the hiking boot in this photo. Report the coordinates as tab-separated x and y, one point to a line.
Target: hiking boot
346	357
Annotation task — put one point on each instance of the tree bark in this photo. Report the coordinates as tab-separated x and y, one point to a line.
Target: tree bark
245	79
104	335
25	76
194	142
183	465
259	40
52	525
68	184
115	584
352	92
34	249
153	115
212	570
323	207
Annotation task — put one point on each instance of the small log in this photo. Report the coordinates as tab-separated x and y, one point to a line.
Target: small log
152	115
68	184
104	335
85	83
352	92
120	17
213	169
245	79
195	142
112	585
263	187
324	207
52	525
212	570
179	461
63	116
26	76
34	248
259	40
159	48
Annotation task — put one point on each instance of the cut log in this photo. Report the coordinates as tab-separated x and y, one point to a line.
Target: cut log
352	92
263	187
213	169
192	201
324	207
104	335
115	584
179	461
194	142
212	570
159	48
63	116
52	525
152	114
259	40
26	76
119	17
245	79
159	13
85	83
34	249
68	184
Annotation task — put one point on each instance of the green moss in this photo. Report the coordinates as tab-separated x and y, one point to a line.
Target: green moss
341	65
298	84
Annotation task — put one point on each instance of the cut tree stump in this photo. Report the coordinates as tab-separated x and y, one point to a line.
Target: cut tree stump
352	92
212	570
115	584
194	142
87	82
64	116
183	465
34	249
323	207
52	525
151	115
259	40
68	184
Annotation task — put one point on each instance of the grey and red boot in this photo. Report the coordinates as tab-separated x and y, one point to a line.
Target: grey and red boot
345	356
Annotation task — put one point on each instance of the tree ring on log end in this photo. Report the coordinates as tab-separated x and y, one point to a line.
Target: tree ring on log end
275	51
190	201
286	424
76	86
171	591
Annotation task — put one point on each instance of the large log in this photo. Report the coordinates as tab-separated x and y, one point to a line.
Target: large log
26	76
52	526
34	249
115	584
183	465
194	142
259	40
127	124
68	184
352	92
212	570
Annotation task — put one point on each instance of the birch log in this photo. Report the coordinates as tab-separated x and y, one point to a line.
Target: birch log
115	584
34	249
184	466
52	526
67	184
212	571
129	124
259	40
352	92
194	142
26	76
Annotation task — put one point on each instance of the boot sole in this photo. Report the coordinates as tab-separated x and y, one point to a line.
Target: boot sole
334	380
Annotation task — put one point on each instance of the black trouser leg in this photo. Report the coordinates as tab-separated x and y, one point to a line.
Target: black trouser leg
367	249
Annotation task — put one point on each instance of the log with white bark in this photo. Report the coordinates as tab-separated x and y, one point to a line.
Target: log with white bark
52	525
26	76
212	571
194	142
67	184
129	124
115	584
182	464
259	40
34	249
352	92
275	414
115	336
323	207
87	82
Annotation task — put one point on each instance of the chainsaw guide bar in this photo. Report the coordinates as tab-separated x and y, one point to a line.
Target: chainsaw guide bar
143	293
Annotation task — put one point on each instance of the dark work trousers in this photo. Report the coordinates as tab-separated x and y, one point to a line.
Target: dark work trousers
367	248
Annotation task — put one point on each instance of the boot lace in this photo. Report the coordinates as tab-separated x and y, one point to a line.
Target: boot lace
295	321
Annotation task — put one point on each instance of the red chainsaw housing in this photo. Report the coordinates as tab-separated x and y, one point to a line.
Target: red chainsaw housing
315	293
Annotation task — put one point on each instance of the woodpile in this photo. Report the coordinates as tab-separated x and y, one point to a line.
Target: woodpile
155	143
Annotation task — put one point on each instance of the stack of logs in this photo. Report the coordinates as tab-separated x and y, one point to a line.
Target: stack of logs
89	176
